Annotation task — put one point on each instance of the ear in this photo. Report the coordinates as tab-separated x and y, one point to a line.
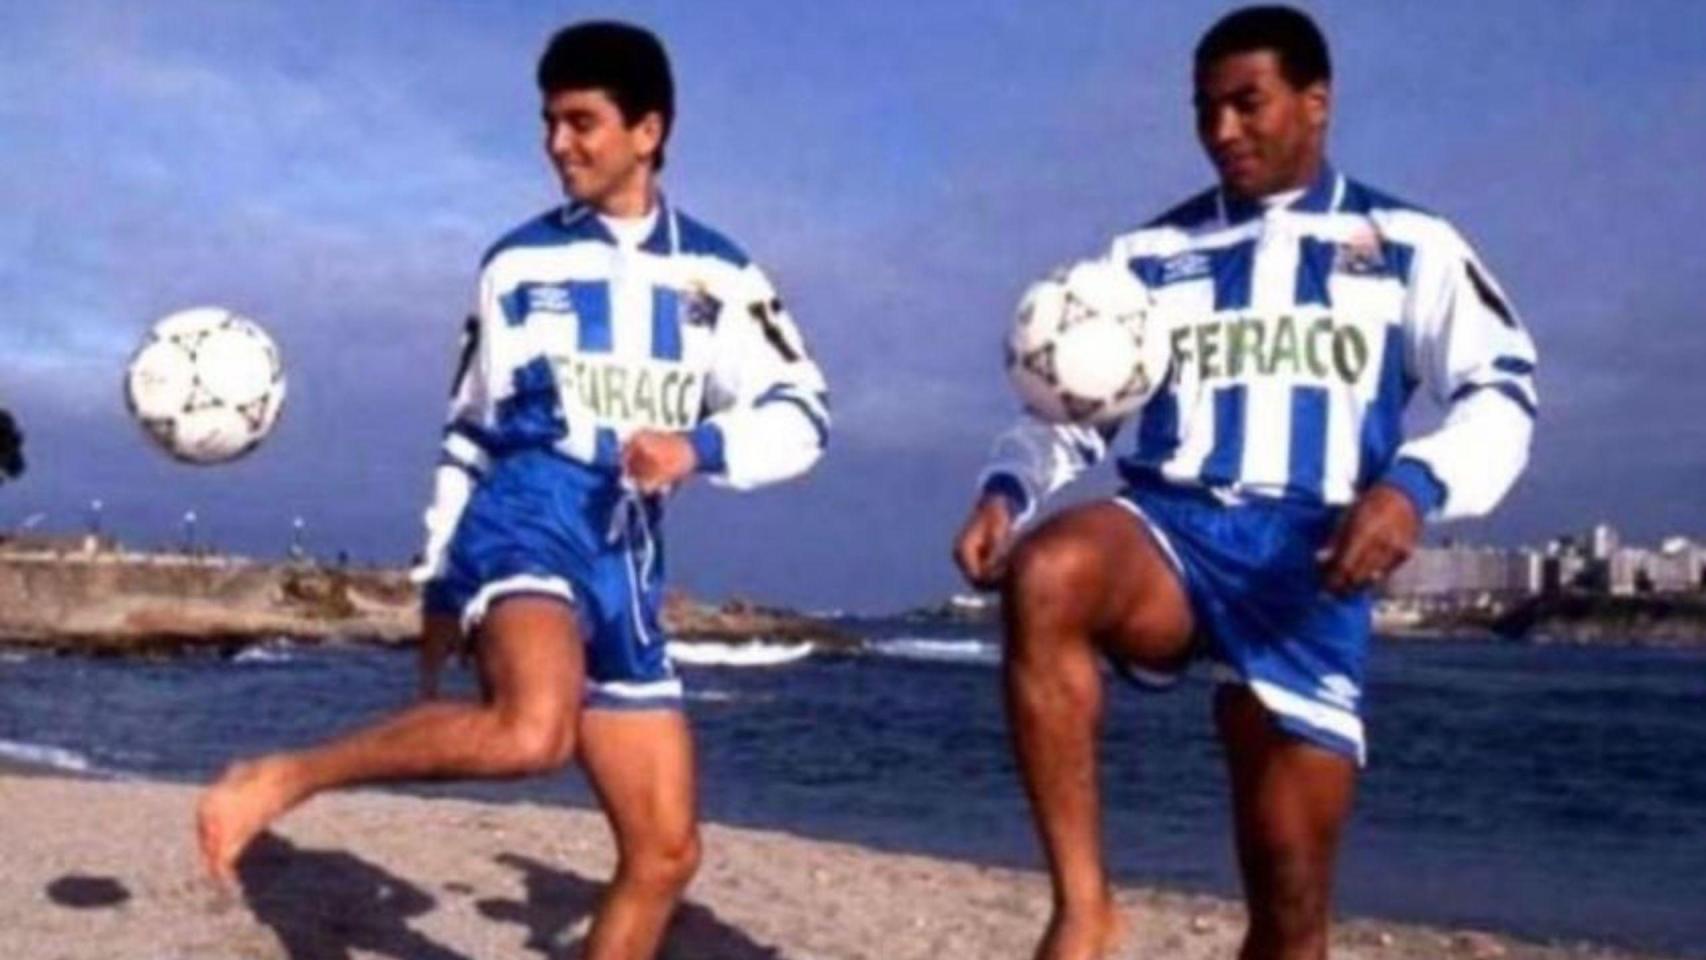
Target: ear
1318	104
649	135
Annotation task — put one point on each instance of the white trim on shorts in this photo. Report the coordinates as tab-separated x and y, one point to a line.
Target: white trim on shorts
1340	723
667	689
475	610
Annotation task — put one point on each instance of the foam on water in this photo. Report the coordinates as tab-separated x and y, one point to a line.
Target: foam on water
264	654
935	649
42	755
760	654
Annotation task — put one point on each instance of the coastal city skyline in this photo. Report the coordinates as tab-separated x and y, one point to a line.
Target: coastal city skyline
326	170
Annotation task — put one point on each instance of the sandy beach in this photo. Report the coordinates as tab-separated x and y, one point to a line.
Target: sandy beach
104	869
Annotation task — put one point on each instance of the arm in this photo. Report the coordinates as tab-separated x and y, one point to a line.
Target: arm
462	456
1029	462
1468	347
1476	360
767	401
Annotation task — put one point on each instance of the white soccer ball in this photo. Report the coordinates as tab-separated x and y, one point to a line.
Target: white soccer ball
1086	346
207	384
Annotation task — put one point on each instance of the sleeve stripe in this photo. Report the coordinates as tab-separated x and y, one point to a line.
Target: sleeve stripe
778	394
470	344
464	444
1514	365
1511	390
1489	296
474	472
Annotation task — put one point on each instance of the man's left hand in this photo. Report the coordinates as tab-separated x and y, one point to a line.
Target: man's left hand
1376	534
655	460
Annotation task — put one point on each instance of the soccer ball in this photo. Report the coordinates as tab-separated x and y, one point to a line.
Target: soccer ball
1086	346
206	384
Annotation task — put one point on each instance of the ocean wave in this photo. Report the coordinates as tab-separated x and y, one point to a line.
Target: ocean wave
42	755
708	654
13	656
266	654
936	649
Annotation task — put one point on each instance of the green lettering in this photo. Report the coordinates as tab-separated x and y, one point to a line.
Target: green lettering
1181	356
1350	353
1246	338
1285	347
645	398
615	385
1208	350
684	400
1322	327
586	385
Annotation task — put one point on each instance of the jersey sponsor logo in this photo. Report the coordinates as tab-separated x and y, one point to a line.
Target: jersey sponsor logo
699	308
1362	256
628	393
1233	347
548	298
1185	266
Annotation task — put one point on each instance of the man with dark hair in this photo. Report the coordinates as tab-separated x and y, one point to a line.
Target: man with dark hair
618	348
1270	489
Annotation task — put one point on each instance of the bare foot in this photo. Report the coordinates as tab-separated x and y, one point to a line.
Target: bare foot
1089	935
236	808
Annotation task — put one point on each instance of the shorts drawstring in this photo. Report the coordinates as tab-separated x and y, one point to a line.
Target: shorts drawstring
629	513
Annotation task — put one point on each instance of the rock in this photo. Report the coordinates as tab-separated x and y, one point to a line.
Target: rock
1477	945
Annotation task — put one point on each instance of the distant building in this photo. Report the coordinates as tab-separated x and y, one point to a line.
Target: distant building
1603	542
1678	566
1467	576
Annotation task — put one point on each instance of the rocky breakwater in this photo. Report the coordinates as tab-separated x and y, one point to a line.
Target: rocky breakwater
108	602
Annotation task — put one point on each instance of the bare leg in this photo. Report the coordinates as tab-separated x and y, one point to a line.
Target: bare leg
1090	580
1290	801
640	763
530	653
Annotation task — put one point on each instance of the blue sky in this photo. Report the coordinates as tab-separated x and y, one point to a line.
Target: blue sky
902	169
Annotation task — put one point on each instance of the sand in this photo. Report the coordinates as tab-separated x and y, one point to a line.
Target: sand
104	869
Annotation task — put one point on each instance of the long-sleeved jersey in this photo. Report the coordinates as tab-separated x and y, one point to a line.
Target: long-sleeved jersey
579	340
1298	332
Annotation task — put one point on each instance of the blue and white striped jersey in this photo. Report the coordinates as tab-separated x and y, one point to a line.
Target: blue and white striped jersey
580	339
1299	329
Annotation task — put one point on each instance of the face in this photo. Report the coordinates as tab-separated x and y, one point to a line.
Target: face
1263	135
602	161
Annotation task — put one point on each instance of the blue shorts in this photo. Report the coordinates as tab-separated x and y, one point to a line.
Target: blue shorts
1264	619
541	525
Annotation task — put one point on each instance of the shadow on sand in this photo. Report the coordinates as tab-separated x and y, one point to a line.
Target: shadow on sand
559	905
326	904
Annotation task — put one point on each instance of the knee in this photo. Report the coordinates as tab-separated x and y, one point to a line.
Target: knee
665	865
1047	579
535	744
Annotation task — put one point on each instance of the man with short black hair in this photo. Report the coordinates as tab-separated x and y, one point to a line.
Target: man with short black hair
619	347
1270	489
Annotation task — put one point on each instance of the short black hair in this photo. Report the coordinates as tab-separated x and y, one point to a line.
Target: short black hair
1287	31
625	61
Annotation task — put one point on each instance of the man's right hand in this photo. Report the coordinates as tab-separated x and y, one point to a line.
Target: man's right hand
981	549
